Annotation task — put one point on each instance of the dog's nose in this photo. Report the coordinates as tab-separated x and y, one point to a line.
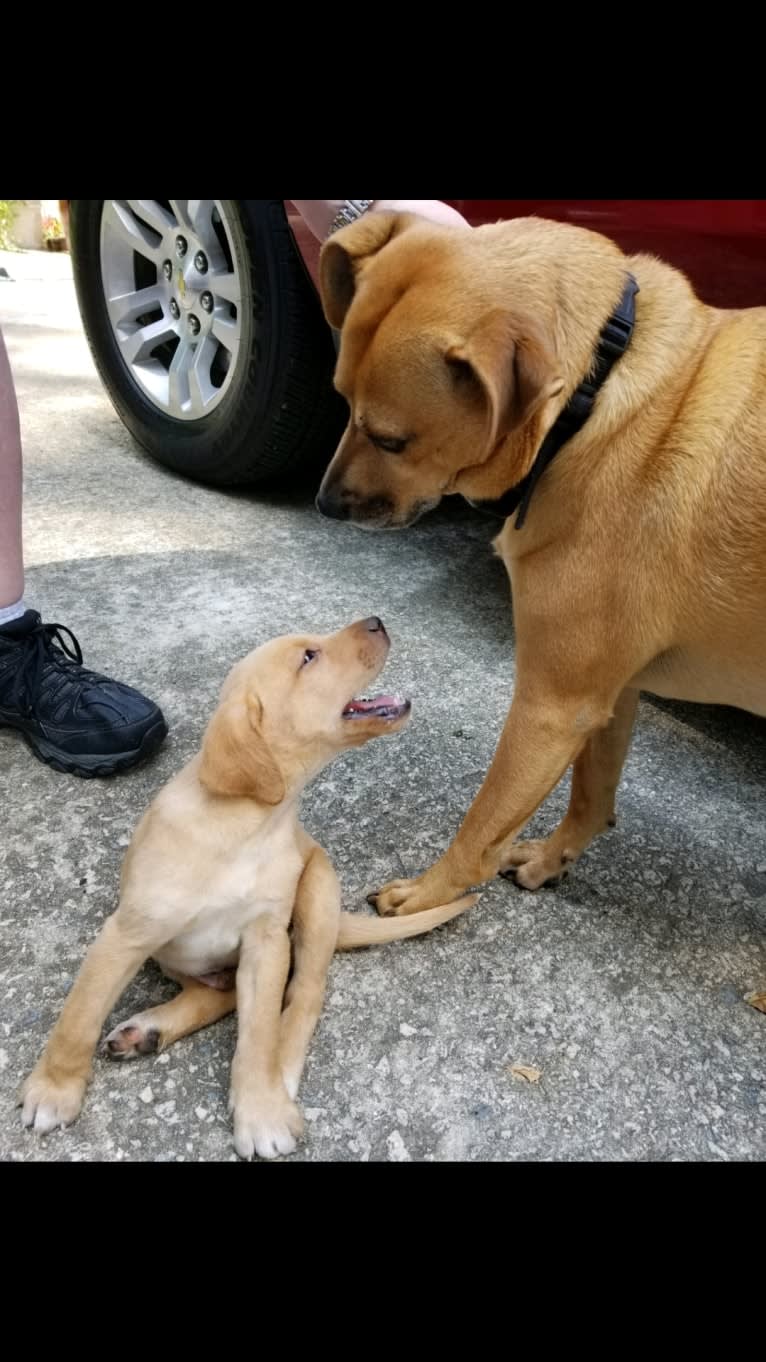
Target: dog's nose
330	505
375	625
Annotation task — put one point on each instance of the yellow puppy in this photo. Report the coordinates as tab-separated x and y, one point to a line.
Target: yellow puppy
218	870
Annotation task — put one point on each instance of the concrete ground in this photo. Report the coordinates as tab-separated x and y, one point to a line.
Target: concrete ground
624	986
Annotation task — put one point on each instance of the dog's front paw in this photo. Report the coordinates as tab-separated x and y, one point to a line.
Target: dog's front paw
267	1125
132	1038
533	865
396	899
401	897
47	1102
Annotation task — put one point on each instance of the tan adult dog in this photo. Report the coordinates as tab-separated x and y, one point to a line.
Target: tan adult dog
642	561
218	870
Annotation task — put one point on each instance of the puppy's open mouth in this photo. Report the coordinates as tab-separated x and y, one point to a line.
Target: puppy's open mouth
378	707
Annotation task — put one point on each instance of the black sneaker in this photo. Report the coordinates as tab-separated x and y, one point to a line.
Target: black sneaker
75	720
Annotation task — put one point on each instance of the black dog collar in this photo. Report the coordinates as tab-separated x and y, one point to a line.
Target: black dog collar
613	342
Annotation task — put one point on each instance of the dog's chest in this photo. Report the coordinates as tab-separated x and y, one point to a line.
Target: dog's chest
262	871
256	877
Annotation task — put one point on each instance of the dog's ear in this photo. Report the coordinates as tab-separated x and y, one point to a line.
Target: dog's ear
344	254
236	759
512	366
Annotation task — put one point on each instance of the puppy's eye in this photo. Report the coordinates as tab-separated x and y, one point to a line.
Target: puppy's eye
389	443
309	656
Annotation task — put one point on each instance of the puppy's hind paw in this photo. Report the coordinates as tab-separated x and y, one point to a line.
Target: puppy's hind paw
133	1038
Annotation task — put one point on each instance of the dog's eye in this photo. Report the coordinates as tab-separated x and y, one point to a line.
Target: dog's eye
309	656
390	444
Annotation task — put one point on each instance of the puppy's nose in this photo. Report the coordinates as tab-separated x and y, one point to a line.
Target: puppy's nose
329	504
375	625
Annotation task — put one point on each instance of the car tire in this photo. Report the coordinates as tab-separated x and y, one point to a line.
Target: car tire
274	412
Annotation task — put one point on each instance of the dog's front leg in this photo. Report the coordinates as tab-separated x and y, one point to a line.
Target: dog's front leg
52	1095
315	932
595	778
543	734
266	1121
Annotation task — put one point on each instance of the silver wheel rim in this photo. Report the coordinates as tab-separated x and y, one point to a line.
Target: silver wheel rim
173	291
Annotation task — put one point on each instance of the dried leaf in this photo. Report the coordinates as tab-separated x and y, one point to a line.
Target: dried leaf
525	1071
756	1000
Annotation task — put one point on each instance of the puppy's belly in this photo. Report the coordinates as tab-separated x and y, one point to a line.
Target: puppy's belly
682	675
212	942
201	953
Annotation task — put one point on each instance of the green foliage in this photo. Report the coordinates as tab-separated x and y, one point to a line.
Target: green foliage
7	214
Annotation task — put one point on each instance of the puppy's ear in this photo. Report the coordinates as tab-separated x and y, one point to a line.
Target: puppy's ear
511	366
344	254
236	759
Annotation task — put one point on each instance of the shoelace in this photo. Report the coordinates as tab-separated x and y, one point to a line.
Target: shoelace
39	652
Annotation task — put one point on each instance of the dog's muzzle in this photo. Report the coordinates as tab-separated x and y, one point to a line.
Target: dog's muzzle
337	504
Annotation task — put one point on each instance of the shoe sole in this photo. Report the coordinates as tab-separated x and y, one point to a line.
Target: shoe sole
97	764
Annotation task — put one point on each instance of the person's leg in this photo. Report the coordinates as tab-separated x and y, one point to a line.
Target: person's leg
11	562
75	720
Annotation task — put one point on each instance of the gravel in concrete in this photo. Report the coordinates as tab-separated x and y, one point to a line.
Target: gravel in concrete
624	986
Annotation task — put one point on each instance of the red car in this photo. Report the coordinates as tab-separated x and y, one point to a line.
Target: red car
207	331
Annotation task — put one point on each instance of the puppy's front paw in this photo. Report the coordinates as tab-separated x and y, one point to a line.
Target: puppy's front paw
266	1124
47	1101
133	1038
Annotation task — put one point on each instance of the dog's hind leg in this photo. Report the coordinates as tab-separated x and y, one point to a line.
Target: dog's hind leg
197	1005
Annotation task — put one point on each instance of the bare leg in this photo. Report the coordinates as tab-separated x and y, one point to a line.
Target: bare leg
11	563
595	778
266	1121
315	931
194	1007
53	1093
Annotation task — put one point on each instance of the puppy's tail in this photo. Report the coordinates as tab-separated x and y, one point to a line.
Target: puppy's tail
360	929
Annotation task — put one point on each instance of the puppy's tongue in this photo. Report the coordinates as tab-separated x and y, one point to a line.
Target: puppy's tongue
384	706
